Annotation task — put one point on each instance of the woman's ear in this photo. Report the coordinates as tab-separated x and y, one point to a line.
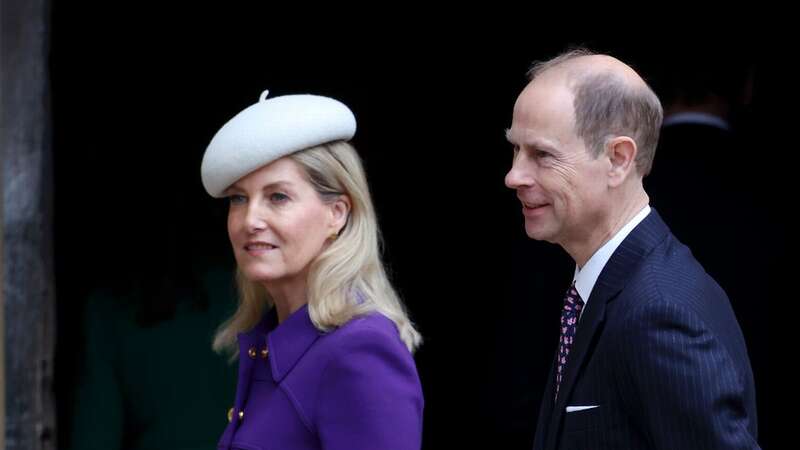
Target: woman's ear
340	211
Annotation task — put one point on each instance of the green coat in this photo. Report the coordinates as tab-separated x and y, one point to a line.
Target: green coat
154	388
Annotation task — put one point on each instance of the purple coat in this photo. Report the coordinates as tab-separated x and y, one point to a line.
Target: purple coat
353	388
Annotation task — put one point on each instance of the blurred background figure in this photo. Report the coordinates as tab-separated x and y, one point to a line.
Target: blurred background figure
147	377
708	181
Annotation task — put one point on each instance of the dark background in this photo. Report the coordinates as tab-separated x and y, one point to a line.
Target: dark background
139	91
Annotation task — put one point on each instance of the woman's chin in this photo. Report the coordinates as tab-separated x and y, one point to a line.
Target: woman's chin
258	276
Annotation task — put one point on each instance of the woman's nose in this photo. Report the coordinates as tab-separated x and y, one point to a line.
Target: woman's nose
255	219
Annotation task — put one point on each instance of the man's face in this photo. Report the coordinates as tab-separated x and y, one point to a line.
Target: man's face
562	187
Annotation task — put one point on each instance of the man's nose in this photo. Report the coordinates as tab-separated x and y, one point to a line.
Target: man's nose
517	177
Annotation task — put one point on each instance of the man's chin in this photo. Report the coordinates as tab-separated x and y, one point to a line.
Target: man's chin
537	232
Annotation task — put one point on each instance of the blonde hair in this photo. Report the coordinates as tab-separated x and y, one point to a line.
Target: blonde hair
348	278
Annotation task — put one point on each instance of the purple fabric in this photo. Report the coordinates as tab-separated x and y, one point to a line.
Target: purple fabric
353	388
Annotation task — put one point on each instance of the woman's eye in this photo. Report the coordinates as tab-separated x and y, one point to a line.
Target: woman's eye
278	197
236	199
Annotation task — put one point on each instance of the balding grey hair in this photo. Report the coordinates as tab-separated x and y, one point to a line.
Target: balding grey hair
606	106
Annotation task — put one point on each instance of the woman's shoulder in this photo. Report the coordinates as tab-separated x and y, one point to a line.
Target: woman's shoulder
370	330
366	324
367	344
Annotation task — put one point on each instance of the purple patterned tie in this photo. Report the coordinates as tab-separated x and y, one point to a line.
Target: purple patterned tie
569	323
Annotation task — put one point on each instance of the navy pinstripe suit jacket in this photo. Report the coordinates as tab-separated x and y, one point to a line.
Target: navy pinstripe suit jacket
658	350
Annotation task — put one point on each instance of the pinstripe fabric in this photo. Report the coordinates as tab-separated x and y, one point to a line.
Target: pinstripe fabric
659	351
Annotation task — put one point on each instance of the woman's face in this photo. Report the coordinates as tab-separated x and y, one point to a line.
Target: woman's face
278	224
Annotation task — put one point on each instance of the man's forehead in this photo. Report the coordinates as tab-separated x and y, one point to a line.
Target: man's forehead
546	87
529	138
543	112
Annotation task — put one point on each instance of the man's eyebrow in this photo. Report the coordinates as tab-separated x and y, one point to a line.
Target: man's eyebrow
538	143
508	136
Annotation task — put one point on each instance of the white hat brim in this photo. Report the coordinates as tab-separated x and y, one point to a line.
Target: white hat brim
269	130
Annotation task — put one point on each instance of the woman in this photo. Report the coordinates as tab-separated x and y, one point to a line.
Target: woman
329	364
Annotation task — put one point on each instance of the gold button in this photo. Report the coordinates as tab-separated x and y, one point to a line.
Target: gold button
264	352
230	415
252	352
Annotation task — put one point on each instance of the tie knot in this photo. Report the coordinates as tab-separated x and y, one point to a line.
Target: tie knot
573	300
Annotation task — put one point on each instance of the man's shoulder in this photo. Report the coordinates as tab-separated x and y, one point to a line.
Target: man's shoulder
670	274
670	279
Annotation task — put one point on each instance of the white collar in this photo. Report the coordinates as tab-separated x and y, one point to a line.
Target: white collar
586	277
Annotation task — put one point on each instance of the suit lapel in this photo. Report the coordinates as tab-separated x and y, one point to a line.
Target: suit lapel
546	408
641	241
590	323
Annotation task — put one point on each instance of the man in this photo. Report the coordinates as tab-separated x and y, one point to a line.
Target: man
650	353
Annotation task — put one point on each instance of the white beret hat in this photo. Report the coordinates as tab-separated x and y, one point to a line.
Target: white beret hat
271	129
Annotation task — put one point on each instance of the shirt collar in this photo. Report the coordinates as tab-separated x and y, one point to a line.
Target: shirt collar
586	277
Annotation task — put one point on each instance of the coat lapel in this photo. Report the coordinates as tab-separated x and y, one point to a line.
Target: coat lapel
289	342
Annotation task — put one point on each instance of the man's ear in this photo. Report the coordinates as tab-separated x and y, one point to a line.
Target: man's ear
621	152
